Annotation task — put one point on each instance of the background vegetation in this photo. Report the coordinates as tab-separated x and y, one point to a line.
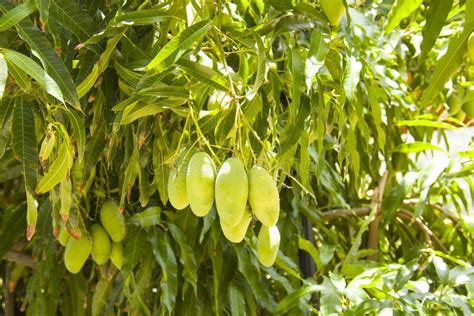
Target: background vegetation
366	125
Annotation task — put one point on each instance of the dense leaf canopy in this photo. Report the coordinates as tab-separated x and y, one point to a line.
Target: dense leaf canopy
365	124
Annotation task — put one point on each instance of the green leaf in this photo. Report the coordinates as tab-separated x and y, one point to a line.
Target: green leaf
24	141
20	77
79	131
351	77
58	169
261	63
134	249
52	63
164	255
101	294
143	17
161	90
415	147
69	15
35	71
16	15
175	48
160	173
237	300
293	132
14	226
425	123
294	298
138	110
331	302
3	75
204	74
186	258
396	196
400	10
435	19
298	86
147	218
94	149
307	246
447	65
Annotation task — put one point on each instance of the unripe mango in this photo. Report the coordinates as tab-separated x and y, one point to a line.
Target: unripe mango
77	252
470	48
200	178
268	243
232	190
100	244
177	193
236	234
113	221
63	237
333	9
116	255
263	196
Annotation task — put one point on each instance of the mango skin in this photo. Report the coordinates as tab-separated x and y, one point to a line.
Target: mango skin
101	245
470	48
200	178
113	221
76	253
116	255
177	192
263	196
232	190
268	243
63	237
333	10
236	234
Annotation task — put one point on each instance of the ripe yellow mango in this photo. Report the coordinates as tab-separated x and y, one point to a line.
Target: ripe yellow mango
268	243
76	253
232	190
63	237
236	234
200	178
101	246
116	255
333	9
113	221
263	196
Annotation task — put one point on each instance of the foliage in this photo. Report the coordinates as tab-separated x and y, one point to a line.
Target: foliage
364	124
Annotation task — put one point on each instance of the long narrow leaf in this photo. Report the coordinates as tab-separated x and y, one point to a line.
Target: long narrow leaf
16	15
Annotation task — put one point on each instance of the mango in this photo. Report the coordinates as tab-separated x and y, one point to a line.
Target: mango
268	243
200	178
101	246
333	9
177	192
63	237
76	253
232	190
470	48
116	255
236	234
263	196
113	221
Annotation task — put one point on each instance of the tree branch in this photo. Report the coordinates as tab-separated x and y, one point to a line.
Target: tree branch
20	258
374	226
361	211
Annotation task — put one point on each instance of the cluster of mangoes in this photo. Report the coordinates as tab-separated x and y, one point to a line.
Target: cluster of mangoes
104	241
196	183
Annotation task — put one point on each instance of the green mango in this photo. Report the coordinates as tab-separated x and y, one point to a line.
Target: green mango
76	253
236	234
113	221
116	255
101	246
268	242
333	9
263	196
470	48
200	178
177	192
63	237
232	190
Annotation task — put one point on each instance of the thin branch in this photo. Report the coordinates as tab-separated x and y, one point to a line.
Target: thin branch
374	226
20	258
334	214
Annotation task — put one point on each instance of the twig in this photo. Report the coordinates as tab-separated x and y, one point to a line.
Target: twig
374	226
9	299
20	258
362	211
